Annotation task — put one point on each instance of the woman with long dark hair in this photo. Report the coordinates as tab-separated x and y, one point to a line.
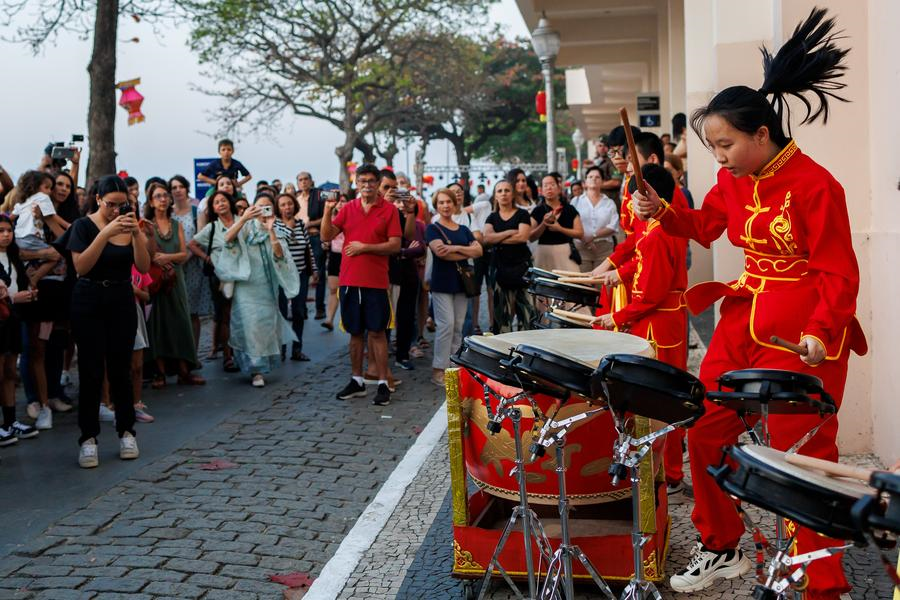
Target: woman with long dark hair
208	245
507	229
14	290
169	326
789	216
104	247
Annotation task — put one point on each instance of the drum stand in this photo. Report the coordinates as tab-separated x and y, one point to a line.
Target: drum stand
559	571
627	455
765	439
780	578
531	525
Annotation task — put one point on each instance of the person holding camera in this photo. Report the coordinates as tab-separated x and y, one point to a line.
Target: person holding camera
104	246
371	228
258	262
169	326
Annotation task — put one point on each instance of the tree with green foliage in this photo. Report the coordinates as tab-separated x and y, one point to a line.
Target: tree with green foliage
341	61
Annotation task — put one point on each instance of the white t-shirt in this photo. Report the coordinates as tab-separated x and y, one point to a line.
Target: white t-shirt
594	218
26	223
13	286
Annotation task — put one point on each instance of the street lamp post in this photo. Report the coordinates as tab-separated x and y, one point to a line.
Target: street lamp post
578	142
546	45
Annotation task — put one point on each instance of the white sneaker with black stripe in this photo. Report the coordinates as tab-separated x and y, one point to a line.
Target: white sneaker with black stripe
707	566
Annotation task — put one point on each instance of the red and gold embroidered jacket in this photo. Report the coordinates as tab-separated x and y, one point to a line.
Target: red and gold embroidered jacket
656	308
800	270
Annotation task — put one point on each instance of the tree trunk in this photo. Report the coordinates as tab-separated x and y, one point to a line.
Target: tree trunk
419	168
462	159
344	155
102	108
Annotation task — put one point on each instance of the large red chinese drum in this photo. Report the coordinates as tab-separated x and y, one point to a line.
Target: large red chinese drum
589	443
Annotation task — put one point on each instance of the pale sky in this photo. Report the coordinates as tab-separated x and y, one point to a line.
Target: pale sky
46	99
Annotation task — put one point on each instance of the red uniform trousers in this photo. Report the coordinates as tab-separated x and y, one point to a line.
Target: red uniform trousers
714	514
673	451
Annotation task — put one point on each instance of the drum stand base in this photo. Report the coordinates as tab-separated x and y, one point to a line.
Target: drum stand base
780	578
559	572
627	456
531	525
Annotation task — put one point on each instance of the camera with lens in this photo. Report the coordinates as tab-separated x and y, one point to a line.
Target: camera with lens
61	152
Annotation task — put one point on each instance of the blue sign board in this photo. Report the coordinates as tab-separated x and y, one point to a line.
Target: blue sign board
201	188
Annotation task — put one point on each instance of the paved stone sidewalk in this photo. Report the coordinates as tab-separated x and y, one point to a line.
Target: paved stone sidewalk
304	467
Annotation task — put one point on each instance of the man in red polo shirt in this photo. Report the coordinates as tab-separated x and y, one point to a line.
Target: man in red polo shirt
371	228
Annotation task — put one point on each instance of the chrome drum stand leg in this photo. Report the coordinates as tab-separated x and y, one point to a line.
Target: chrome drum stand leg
559	573
531	526
638	588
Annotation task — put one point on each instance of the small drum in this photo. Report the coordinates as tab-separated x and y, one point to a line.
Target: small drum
784	392
534	273
880	511
765	479
489	355
649	388
571	293
489	458
557	321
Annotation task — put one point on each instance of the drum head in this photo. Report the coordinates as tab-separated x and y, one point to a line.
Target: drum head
765	479
649	388
783	392
534	273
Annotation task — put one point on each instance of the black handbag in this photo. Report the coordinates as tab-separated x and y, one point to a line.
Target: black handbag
574	254
466	272
208	268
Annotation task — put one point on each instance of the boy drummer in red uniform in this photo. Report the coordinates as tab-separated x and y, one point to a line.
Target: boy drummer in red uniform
800	282
656	309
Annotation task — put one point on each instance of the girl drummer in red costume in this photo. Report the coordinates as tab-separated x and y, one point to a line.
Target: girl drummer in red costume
800	281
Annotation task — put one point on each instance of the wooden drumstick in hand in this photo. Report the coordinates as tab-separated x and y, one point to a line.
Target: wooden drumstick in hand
632	151
796	348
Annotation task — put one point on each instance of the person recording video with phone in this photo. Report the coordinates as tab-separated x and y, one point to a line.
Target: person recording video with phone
104	246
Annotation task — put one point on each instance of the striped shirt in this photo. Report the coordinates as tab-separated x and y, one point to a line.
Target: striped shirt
298	241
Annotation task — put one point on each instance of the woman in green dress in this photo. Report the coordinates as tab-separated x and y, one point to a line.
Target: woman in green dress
169	327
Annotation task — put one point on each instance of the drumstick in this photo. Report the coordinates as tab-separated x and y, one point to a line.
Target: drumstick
581	280
568	273
832	469
573	315
801	350
632	151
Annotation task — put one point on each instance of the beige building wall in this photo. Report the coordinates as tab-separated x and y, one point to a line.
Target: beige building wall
858	145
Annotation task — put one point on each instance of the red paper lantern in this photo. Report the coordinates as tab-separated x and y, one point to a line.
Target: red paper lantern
131	100
574	164
540	104
428	179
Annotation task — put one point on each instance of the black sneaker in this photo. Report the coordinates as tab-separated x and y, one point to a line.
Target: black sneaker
352	390
24	432
406	365
382	396
7	437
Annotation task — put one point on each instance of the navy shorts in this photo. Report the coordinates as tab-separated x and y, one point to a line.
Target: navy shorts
364	309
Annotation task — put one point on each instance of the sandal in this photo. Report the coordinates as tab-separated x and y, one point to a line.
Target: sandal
423	343
327	325
229	366
159	382
191	379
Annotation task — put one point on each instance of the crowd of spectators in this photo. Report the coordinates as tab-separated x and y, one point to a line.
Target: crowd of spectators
122	277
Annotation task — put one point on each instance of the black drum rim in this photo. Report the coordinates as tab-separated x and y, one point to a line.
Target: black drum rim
576	369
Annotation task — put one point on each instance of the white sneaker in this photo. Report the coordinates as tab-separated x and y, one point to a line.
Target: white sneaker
60	406
33	409
258	381
87	454
106	413
44	419
707	566
128	448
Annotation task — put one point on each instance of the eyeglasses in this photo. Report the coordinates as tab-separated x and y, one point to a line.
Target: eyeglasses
116	206
367	182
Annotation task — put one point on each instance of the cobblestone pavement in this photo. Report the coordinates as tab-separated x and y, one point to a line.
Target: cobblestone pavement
299	468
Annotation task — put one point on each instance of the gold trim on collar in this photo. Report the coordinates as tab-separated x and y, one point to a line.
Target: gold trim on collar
776	163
